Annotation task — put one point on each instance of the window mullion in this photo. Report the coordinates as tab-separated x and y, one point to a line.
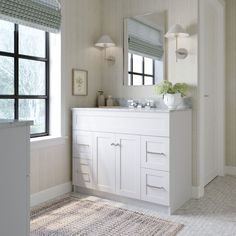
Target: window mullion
16	70
153	82
143	71
132	67
47	76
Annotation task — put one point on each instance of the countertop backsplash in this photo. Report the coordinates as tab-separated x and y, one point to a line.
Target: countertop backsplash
157	102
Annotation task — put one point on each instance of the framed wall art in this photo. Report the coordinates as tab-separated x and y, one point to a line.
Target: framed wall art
80	82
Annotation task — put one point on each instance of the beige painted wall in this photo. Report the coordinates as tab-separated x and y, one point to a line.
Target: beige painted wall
81	26
50	166
184	12
230	82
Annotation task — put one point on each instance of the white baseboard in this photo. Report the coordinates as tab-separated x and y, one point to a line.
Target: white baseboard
197	192
50	193
230	170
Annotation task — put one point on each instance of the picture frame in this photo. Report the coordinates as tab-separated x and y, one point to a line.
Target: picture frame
79	82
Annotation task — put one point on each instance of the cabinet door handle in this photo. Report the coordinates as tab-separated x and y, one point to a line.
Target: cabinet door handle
112	144
161	188
157	153
117	145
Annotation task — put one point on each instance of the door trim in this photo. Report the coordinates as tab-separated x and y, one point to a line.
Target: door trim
220	100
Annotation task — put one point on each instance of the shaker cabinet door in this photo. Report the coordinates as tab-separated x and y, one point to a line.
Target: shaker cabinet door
104	162
128	166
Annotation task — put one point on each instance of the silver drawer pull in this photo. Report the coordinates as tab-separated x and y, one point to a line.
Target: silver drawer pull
157	153
115	144
160	188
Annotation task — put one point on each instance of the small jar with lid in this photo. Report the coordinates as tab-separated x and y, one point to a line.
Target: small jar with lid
100	99
109	101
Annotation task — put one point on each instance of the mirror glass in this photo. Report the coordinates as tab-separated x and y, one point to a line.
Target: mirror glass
144	53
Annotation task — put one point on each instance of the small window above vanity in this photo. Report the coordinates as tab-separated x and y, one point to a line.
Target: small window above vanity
144	49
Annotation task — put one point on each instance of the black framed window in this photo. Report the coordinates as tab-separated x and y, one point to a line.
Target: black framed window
24	76
141	70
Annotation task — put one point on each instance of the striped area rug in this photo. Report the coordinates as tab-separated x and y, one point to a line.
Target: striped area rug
71	216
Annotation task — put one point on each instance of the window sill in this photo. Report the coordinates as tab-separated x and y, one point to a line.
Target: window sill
47	141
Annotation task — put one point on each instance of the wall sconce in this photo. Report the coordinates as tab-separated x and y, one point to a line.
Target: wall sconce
105	42
177	31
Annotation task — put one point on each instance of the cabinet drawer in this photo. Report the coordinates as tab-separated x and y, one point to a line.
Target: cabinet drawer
82	173
155	153
155	186
126	122
82	145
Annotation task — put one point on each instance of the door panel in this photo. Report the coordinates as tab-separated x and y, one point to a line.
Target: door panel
155	186
155	153
211	64
82	173
82	145
128	165
104	162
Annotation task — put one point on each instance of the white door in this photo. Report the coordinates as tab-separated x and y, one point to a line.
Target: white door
211	88
104	163
128	165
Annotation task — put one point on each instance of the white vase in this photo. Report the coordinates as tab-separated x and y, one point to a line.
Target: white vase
172	101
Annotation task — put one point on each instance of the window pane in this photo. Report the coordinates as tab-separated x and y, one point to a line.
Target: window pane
6	75
6	36
31	41
137	80
148	66
148	80
129	79
137	64
129	62
31	77
6	109
159	72
33	109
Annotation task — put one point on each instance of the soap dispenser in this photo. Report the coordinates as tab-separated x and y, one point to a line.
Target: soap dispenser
100	99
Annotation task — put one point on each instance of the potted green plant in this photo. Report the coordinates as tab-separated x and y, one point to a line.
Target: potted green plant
172	93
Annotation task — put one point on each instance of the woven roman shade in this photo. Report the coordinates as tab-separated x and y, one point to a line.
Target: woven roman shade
145	48
41	14
145	40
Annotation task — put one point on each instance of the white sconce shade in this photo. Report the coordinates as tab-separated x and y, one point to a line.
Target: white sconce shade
105	41
176	31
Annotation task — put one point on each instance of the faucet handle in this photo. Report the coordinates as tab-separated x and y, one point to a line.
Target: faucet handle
149	104
132	103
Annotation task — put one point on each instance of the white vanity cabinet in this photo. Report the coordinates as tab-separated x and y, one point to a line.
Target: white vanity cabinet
15	178
139	154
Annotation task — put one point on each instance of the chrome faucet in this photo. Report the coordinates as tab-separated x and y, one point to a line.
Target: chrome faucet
132	103
136	104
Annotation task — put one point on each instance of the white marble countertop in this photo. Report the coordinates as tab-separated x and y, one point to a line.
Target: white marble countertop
127	109
5	123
